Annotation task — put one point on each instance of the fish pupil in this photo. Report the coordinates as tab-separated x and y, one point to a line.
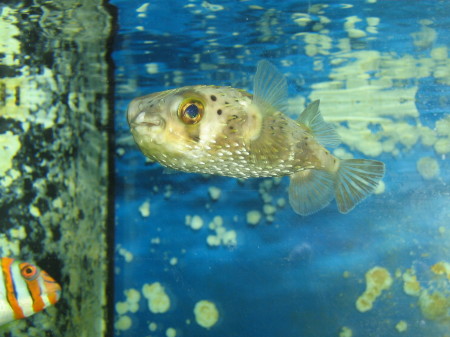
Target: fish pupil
29	272
192	111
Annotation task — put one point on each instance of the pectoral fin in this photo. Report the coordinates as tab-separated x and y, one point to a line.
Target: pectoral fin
168	170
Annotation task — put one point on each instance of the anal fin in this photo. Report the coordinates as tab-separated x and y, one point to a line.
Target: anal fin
310	190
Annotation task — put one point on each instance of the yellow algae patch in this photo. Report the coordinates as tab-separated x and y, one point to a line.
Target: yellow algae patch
144	209
214	192
377	280
435	306
435	301
9	247
442	145
9	45
121	308
206	313
443	126
410	284
345	332
434	295
131	304
222	235
18	233
381	187
401	326
253	217
195	222
34	211
123	323
9	146
27	89
153	326
441	268
133	297
171	332
428	167
127	255
158	300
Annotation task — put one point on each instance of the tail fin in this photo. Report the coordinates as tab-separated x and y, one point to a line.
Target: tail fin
356	179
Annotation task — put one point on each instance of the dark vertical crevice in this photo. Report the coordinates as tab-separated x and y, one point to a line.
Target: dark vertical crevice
110	218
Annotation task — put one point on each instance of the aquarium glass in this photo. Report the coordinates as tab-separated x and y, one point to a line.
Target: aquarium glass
205	255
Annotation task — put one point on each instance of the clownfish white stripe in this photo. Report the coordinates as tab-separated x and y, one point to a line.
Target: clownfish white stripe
6	311
23	296
46	301
25	289
10	292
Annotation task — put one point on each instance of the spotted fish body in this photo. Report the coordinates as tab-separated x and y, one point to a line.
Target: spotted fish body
227	131
25	289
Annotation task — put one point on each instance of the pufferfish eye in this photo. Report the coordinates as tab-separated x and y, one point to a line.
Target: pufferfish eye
191	112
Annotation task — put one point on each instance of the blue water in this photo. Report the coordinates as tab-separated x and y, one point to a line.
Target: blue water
284	277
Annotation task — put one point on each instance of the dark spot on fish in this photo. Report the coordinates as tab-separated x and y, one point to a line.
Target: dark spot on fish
334	161
219	112
231	128
214	98
305	138
226	102
195	138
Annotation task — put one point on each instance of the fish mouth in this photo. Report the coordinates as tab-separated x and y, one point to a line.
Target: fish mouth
144	119
141	118
56	293
145	110
52	288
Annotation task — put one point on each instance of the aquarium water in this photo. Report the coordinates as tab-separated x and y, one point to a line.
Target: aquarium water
200	255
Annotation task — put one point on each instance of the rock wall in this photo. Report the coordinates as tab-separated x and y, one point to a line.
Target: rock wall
55	133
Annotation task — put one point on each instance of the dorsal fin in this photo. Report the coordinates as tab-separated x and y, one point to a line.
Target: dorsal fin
269	88
324	132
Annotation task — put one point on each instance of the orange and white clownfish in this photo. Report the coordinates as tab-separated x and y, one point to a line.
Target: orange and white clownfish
25	289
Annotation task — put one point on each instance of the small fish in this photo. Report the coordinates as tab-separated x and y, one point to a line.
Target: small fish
229	132
25	289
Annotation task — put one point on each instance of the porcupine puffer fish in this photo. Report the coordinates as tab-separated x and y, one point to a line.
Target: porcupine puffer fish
25	289
229	132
